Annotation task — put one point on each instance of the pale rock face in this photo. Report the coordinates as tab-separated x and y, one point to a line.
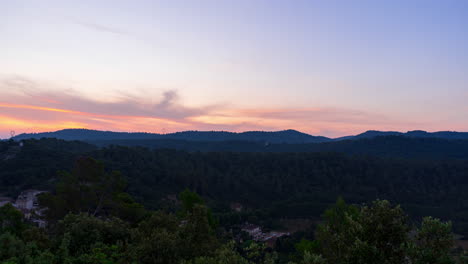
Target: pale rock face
27	203
27	199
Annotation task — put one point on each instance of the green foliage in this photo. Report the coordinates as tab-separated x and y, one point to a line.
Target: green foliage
309	258
383	232
254	251
37	162
15	250
224	255
127	209
10	261
63	252
79	234
196	230
339	231
377	233
156	240
102	254
164	238
380	234
283	184
306	245
38	236
11	246
11	220
312	259
434	241
189	199
90	189
189	202
95	221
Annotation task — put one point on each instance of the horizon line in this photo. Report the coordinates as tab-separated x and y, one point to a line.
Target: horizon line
234	132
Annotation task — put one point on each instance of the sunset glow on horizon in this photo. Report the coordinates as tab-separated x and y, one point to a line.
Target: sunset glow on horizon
330	68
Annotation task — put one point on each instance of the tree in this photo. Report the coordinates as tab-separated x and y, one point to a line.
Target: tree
306	245
434	240
384	232
224	255
188	200
339	231
38	236
310	258
379	233
11	220
197	236
125	207
83	232
87	189
11	247
156	240
103	254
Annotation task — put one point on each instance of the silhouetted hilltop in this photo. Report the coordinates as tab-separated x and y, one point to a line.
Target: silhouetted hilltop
286	136
413	134
375	133
87	134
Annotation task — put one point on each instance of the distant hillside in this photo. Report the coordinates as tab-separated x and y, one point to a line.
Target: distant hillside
282	185
381	146
413	134
286	136
277	137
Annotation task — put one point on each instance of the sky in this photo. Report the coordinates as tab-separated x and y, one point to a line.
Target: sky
329	67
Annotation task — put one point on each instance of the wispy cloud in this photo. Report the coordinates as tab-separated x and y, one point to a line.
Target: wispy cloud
328	114
100	27
35	94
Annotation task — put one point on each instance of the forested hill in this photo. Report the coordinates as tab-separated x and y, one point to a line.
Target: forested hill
281	184
382	146
285	136
396	146
412	134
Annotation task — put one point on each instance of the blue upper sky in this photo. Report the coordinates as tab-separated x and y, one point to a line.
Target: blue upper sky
323	67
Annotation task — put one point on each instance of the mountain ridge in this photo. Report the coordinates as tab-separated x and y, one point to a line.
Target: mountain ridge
288	136
284	136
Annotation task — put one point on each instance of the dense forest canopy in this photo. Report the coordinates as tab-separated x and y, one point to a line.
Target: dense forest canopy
91	219
279	184
382	146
